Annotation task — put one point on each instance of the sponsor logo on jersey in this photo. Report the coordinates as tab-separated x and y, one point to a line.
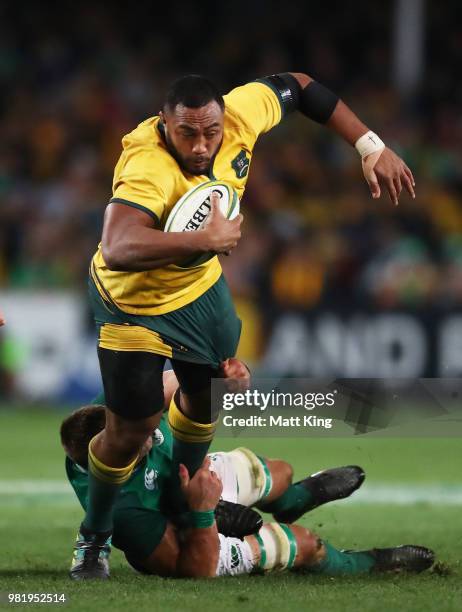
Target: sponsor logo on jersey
150	479
240	164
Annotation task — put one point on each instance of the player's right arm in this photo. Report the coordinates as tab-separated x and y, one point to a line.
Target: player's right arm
260	105
380	164
194	552
201	548
130	241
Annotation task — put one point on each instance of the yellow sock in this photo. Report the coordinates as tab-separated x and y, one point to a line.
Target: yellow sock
185	429
110	475
191	441
104	484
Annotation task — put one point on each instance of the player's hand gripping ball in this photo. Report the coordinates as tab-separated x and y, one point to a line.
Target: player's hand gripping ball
191	211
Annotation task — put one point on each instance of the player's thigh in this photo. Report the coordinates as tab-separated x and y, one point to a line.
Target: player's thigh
132	381
194	380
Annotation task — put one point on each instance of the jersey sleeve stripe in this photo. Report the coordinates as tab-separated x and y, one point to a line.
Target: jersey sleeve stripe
276	92
135	205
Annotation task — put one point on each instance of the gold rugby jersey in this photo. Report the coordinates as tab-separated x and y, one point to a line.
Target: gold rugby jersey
147	177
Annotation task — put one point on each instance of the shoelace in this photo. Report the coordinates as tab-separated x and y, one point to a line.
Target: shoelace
89	552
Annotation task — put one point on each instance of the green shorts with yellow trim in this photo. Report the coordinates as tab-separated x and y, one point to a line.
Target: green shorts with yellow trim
205	331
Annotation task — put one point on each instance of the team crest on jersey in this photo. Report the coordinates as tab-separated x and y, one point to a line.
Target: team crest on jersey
157	437
241	164
235	556
150	479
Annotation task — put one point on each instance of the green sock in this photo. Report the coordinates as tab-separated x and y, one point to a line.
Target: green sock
295	497
191	441
101	500
101	495
337	562
190	454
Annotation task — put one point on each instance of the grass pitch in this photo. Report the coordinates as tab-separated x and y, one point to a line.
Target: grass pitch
412	494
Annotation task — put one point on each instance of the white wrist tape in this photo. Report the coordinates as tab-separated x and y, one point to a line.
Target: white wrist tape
369	143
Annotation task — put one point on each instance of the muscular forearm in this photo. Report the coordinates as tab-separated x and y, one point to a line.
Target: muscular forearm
199	552
346	124
343	120
131	241
144	248
380	165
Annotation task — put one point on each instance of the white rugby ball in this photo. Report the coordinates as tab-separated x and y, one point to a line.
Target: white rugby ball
190	213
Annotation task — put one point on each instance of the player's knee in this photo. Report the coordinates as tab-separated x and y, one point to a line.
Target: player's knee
281	472
309	545
197	407
286	472
128	436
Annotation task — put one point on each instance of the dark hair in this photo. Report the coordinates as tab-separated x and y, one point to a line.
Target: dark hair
79	428
192	91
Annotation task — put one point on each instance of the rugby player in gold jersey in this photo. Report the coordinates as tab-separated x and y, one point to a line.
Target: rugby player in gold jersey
150	305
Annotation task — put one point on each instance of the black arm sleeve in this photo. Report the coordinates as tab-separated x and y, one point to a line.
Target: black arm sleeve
314	101
286	88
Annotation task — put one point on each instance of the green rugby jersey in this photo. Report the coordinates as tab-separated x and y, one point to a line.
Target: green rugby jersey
139	513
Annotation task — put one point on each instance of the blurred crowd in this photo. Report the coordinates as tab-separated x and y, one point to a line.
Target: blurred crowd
75	78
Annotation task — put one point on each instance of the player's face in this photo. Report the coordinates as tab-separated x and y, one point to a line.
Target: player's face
194	135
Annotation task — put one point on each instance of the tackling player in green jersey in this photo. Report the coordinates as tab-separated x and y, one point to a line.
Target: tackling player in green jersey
153	544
